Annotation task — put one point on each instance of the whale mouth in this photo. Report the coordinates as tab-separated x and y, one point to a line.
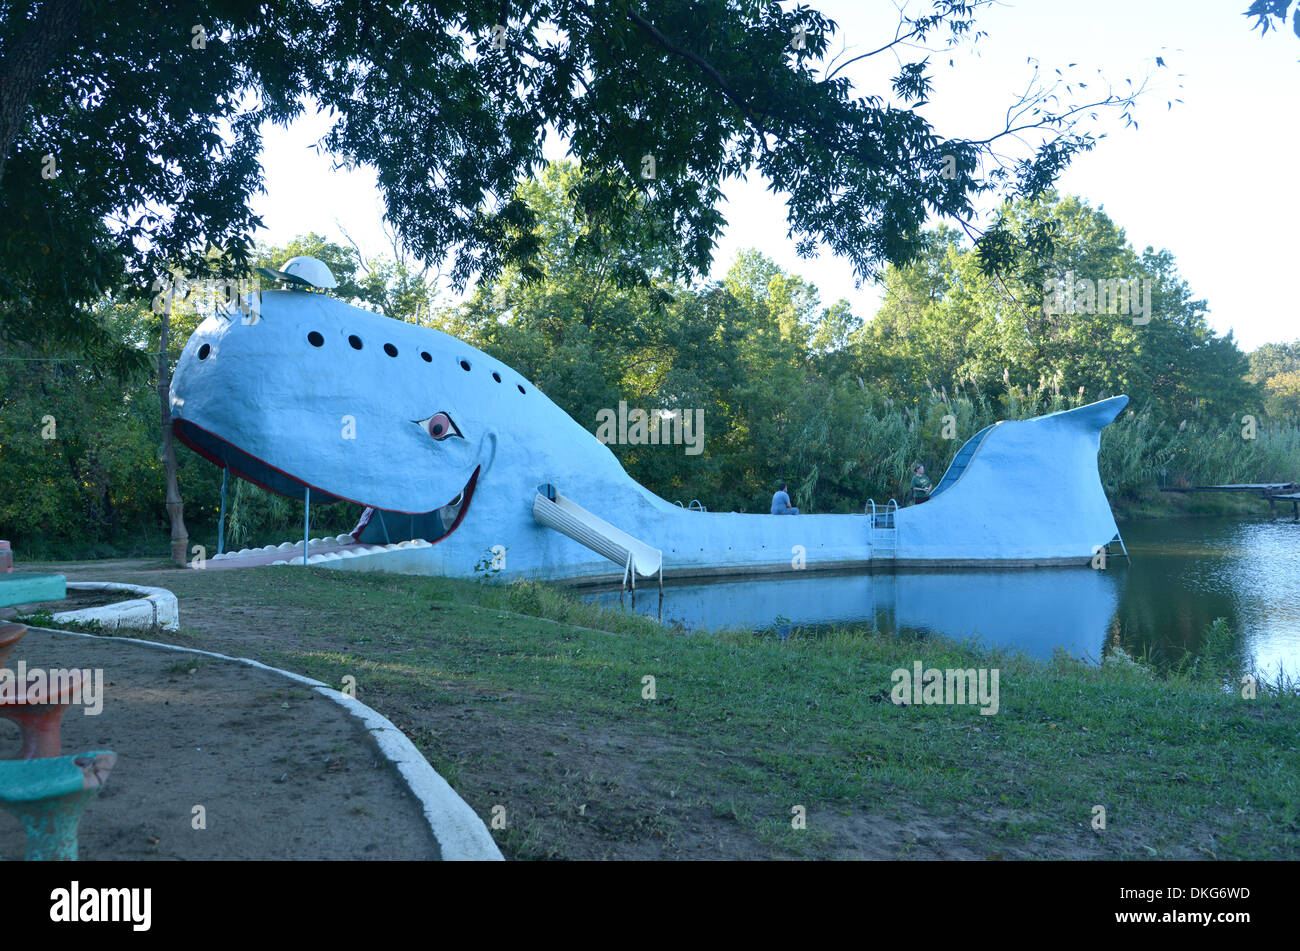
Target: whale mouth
226	455
392	526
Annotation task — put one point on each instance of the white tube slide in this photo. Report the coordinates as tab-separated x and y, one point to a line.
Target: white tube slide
569	518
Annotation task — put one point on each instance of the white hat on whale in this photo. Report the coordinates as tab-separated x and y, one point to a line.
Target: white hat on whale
309	271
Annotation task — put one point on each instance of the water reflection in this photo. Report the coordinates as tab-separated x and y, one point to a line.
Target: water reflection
1036	610
1185	573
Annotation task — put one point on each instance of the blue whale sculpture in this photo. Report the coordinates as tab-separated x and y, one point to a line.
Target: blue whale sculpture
460	463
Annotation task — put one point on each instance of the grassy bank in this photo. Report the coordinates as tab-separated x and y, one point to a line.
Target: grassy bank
1194	505
529	700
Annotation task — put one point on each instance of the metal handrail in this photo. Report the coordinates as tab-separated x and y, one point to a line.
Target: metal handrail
882	518
695	502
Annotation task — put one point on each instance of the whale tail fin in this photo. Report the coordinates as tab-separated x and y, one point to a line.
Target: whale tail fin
1022	490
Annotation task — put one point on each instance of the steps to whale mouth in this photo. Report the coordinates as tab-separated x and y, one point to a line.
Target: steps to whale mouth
335	548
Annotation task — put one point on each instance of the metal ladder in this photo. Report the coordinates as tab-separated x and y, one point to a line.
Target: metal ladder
884	530
1123	551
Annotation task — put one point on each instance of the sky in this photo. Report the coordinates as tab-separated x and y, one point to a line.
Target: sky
1210	179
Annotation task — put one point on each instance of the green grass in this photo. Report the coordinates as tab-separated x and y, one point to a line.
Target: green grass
46	619
524	696
1193	505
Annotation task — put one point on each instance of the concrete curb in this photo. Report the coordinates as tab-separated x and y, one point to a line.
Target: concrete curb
460	833
157	608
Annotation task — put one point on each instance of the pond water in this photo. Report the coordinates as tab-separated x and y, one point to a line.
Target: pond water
1185	573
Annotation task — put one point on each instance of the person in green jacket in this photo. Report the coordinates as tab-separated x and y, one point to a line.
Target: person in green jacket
920	485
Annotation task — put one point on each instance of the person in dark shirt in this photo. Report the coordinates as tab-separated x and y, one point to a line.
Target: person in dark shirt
920	485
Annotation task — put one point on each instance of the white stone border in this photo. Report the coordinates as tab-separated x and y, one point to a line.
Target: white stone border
460	833
156	609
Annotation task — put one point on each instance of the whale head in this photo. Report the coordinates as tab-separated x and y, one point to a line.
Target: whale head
313	392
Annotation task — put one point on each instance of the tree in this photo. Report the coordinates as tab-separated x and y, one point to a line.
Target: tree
175	513
947	323
81	474
1276	366
143	135
1266	12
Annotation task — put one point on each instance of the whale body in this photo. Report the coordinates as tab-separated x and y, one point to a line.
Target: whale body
440	441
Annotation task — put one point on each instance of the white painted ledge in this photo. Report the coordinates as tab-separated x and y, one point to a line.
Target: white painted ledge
155	608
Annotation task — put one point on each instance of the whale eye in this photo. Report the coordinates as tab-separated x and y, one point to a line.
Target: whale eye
439	426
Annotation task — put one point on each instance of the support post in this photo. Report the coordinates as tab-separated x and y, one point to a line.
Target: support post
661	589
221	519
306	523
627	569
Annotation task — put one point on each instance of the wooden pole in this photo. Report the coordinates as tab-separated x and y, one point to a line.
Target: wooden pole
175	509
221	519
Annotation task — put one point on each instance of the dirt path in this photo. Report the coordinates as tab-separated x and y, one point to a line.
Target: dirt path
280	771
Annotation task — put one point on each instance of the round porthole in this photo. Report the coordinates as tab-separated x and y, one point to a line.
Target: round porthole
464	365
424	355
496	376
315	339
355	341
204	351
521	387
390	350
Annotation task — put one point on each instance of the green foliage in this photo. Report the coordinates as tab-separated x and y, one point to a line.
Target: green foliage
1276	366
945	322
452	120
80	466
1217	659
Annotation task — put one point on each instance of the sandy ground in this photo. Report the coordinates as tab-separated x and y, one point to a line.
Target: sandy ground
280	771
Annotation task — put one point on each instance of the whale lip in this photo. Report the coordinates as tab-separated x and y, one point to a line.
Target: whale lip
202	441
